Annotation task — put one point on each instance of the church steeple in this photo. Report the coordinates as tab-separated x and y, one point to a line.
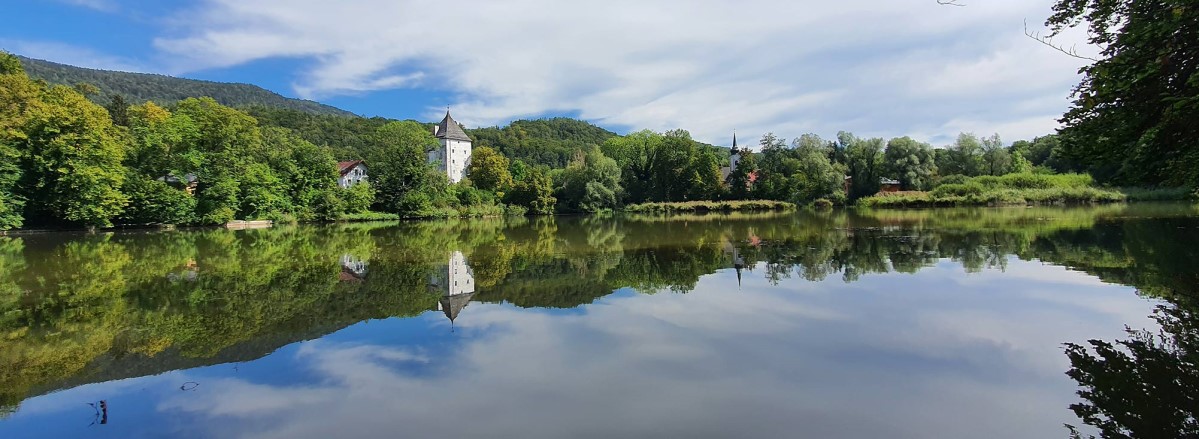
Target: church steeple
735	151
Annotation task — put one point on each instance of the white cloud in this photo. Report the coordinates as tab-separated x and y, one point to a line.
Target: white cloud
876	67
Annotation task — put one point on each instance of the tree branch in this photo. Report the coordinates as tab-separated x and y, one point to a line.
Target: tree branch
1048	41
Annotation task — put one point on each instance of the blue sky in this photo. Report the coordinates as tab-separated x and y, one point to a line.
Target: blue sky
874	67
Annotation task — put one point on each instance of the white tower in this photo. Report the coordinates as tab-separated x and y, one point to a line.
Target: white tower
453	155
735	158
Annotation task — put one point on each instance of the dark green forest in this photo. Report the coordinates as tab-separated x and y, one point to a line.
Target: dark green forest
137	88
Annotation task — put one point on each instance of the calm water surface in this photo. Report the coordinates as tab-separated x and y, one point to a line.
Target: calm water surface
899	324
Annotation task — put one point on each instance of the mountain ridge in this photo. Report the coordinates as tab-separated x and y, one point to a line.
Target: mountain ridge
137	88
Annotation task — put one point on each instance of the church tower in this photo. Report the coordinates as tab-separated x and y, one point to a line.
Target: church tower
453	154
735	158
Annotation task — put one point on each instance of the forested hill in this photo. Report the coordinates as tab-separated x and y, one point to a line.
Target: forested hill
140	87
551	142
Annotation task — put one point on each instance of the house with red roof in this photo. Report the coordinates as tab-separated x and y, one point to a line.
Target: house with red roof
352	172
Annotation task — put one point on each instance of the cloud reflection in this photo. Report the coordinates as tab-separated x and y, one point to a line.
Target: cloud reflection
888	356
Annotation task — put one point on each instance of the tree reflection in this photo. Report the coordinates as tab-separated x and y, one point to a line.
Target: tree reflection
79	309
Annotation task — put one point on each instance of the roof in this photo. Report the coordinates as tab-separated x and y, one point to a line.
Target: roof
449	129
452	305
344	167
886	180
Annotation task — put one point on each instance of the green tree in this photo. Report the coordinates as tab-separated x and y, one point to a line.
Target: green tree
910	162
308	171
996	159
1132	121
404	182
865	166
818	177
740	186
488	170
10	174
118	110
10	65
69	156
156	202
358	198
964	157
535	192
590	184
227	142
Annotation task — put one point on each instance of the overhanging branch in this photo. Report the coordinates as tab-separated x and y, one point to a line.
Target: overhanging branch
1048	41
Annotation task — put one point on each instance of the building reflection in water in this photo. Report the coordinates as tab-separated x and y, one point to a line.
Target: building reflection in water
353	269
456	283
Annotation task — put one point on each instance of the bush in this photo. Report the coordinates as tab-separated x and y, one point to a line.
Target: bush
822	204
709	206
357	198
961	190
515	210
155	202
952	179
370	216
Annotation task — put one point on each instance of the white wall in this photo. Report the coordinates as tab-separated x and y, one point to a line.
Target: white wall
357	174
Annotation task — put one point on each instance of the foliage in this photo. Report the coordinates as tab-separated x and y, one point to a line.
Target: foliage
1132	121
740	186
911	162
545	142
964	157
488	170
1144	386
156	202
709	206
865	166
1011	189
590	184
665	167
69	154
534	193
370	216
799	174
357	198
403	180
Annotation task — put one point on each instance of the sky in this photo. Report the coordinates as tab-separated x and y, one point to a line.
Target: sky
877	68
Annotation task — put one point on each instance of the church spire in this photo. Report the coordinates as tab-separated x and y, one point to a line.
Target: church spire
734	141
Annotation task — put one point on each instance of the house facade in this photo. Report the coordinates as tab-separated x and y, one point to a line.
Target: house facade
352	173
452	155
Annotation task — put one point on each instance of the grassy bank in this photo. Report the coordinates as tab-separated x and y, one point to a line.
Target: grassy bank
709	206
1022	189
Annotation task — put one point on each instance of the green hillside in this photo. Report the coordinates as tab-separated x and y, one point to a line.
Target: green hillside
140	87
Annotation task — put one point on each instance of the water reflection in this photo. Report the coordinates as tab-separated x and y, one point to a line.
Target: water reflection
76	310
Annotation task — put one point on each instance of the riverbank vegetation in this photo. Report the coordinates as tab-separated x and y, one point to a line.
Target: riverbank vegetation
709	206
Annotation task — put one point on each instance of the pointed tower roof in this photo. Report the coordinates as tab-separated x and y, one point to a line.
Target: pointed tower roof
452	305
734	149
449	129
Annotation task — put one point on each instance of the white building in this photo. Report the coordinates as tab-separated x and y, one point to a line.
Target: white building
453	155
352	172
456	282
734	160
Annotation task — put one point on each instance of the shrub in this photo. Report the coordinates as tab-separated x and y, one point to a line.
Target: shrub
961	190
156	202
952	179
822	204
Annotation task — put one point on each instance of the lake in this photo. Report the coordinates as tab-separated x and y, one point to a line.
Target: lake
843	324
